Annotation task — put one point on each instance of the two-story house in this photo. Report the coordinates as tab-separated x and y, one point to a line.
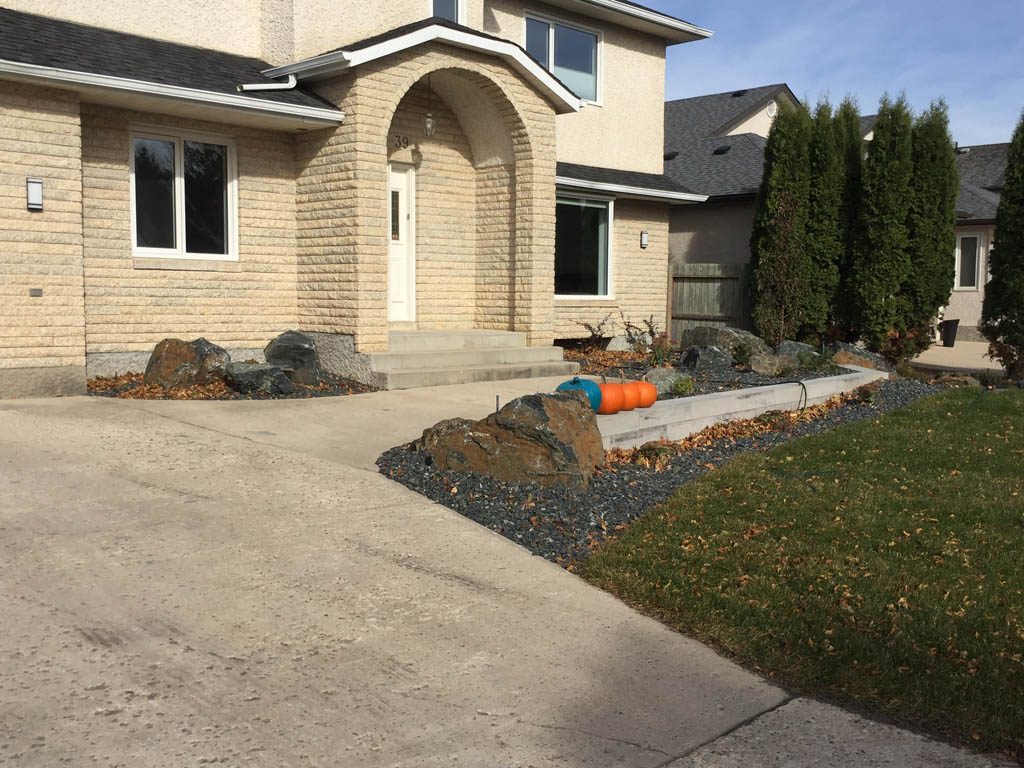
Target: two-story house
360	171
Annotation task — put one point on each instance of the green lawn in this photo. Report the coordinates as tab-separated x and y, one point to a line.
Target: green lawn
881	563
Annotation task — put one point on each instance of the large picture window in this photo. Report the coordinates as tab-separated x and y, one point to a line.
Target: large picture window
568	52
968	261
182	196
582	246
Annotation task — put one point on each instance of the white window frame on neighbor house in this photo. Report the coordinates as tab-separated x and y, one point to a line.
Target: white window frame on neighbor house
979	278
609	295
551	21
460	11
178	138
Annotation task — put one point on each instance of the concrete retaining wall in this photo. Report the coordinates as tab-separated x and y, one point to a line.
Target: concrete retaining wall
676	419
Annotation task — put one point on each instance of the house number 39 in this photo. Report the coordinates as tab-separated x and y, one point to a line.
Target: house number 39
401	142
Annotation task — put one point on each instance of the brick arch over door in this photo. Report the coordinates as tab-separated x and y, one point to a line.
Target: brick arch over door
343	174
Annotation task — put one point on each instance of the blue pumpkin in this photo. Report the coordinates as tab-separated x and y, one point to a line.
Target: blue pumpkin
587	387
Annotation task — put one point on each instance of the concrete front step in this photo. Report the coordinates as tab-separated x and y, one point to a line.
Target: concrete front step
385	362
445	341
434	377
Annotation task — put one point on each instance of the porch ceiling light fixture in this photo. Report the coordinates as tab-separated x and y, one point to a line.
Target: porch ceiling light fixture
428	122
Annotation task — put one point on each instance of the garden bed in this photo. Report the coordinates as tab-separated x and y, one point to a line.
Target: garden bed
130	386
563	526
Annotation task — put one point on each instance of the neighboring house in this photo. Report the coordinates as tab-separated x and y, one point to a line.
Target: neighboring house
715	145
982	172
235	169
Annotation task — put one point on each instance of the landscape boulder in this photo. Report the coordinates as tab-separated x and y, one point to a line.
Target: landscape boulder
850	354
773	366
664	379
796	348
259	378
295	353
705	358
545	439
178	364
727	339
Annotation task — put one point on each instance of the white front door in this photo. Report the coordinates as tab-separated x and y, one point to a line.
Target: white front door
402	245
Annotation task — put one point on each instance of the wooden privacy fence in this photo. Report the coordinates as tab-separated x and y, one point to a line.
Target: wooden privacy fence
709	294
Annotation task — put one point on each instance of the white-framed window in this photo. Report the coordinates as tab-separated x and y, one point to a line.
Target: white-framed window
583	247
184	196
968	261
570	52
449	10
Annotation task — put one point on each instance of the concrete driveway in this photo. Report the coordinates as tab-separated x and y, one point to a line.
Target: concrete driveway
226	583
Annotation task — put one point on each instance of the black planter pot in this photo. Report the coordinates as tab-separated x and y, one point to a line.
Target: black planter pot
947	330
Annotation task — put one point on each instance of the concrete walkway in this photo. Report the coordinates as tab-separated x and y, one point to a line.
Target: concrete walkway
964	356
226	583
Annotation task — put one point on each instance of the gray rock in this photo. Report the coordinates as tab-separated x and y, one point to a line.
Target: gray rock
265	379
618	344
545	439
796	348
178	364
295	353
773	366
703	358
664	379
727	339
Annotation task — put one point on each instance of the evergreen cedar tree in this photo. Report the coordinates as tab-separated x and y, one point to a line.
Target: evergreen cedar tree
851	149
825	225
931	230
881	266
1002	317
778	241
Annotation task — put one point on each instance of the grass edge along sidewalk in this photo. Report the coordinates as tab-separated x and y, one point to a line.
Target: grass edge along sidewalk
877	564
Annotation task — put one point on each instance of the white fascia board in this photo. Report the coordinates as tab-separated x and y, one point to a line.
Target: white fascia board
623	190
565	100
67	77
653	17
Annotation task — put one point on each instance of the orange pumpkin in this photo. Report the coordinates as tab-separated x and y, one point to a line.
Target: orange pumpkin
648	394
631	394
612	398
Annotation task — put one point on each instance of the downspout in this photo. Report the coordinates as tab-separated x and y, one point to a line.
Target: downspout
286	86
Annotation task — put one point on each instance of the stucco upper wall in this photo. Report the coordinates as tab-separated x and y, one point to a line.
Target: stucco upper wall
227	26
714	233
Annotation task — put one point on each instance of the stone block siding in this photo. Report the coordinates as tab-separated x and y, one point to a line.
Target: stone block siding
639	275
495	243
446	247
130	305
40	136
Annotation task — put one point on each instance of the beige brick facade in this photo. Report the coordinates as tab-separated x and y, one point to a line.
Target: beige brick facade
132	303
639	275
42	339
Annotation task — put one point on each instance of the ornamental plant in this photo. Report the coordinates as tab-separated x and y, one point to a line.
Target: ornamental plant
1002	317
850	146
779	238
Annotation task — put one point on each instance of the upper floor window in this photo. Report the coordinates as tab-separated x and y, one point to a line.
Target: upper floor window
183	193
447	9
570	53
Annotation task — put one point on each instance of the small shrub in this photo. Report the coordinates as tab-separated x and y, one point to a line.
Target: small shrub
989	378
742	353
661	350
808	361
867	393
598	331
907	371
683	387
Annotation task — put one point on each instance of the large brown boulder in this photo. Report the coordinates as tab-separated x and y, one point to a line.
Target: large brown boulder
546	439
177	364
850	354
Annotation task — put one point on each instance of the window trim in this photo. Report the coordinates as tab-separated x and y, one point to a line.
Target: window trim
979	278
179	138
460	11
599	34
610	295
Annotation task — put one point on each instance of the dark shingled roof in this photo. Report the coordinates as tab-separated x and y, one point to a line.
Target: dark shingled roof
982	173
652	181
29	39
694	128
867	124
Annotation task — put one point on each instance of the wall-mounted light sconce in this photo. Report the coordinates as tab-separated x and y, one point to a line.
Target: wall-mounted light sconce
34	194
428	122
645	239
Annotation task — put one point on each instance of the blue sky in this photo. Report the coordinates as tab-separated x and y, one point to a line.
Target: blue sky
970	53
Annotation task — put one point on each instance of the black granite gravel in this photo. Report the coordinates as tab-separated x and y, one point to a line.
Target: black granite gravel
561	525
722	378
